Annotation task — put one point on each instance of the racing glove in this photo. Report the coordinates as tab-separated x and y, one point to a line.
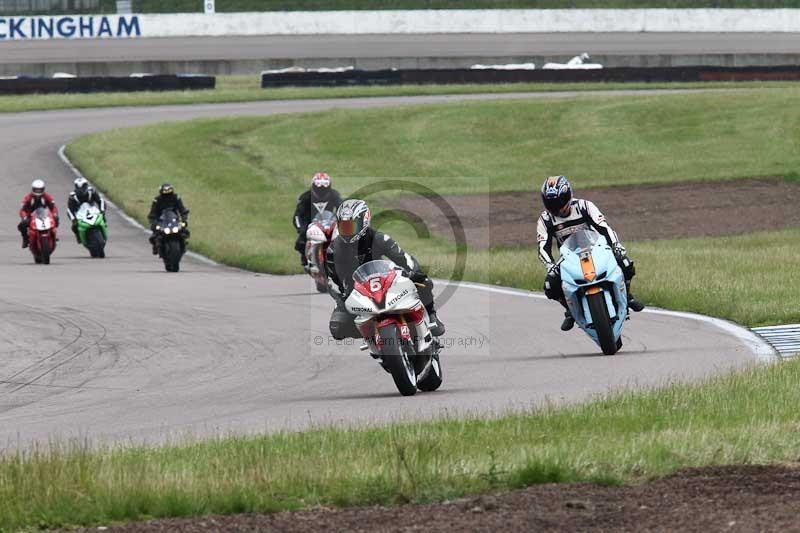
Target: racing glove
416	276
620	250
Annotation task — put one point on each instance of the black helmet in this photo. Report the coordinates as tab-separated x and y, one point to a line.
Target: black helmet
556	194
353	218
166	189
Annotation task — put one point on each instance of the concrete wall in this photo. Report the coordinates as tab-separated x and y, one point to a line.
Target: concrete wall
403	22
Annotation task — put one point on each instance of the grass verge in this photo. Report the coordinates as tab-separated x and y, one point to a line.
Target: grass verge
259	166
745	417
232	89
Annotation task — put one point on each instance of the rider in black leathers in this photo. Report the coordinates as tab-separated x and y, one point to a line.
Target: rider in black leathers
83	193
166	199
357	244
320	197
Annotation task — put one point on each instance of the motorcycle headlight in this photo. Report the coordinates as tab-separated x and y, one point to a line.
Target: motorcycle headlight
167	230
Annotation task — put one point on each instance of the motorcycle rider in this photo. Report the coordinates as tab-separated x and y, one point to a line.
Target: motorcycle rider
320	197
166	199
563	216
356	244
81	194
31	202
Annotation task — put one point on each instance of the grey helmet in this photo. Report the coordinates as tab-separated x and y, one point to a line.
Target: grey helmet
353	218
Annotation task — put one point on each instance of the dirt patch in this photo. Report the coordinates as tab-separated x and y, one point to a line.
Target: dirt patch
735	498
636	213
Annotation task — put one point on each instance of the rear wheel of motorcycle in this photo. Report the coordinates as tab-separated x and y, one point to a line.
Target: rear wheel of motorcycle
398	360
602	323
45	250
433	380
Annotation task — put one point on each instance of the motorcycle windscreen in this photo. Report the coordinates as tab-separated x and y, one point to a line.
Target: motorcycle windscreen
169	218
582	240
372	269
88	213
41	213
326	218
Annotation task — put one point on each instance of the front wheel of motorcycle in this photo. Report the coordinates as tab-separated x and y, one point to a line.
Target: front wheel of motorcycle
602	323
397	359
96	243
46	249
433	380
172	255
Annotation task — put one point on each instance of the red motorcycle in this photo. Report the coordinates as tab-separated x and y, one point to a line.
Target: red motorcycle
42	235
319	235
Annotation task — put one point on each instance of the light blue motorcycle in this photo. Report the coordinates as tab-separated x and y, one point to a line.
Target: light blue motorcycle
594	287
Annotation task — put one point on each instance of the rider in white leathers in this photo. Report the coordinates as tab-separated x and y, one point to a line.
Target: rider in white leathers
563	216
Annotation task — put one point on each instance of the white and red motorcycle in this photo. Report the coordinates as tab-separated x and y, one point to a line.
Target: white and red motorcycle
320	233
394	324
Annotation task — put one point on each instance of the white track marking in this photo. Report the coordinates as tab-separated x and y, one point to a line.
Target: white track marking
761	349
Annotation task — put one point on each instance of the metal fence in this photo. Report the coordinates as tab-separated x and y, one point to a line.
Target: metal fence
48	6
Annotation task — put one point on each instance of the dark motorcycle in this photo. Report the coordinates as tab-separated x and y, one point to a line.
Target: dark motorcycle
171	235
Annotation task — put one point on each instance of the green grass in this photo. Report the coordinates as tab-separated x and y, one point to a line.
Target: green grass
188	6
748	417
232	89
260	165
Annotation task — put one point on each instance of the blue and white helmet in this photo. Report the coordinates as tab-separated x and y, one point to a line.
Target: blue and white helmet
556	194
353	218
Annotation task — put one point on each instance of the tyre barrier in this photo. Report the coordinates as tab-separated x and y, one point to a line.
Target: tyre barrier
94	84
489	75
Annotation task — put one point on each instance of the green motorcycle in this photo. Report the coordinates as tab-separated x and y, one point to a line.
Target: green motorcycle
92	229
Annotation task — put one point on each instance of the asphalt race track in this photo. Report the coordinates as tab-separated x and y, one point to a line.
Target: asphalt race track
387	46
117	349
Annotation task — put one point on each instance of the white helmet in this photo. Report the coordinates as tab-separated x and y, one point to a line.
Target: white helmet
37	187
81	185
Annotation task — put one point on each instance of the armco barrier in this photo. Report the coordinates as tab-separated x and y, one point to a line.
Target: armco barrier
450	76
169	82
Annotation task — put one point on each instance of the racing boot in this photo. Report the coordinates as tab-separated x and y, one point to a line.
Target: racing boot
568	322
633	303
437	326
152	240
24	241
